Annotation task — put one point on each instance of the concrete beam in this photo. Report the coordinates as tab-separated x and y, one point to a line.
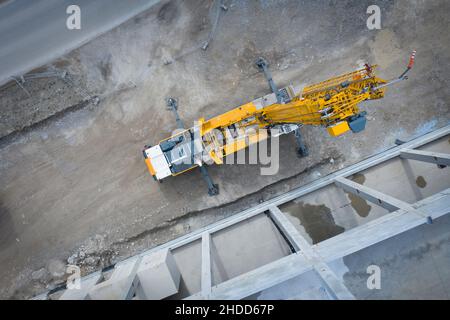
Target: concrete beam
259	279
206	282
121	285
386	201
336	247
295	238
335	286
382	228
441	159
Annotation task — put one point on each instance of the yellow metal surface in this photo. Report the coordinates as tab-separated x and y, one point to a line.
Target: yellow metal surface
336	81
150	167
327	104
338	128
234	146
322	104
229	118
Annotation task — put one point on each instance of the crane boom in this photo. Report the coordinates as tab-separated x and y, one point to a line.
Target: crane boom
332	104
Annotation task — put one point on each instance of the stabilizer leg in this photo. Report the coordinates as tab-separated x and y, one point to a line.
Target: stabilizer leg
302	149
172	104
213	189
264	67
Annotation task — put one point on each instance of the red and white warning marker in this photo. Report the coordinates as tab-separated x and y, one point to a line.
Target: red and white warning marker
411	59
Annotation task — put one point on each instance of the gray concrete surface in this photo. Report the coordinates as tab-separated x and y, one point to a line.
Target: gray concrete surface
33	33
235	250
77	186
413	265
330	211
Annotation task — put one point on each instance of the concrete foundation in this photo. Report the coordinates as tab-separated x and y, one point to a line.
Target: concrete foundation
158	276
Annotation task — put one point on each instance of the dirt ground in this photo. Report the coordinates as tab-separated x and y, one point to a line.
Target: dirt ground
75	189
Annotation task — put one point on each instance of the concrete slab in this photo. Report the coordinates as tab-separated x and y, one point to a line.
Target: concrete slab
189	261
418	179
244	247
307	286
415	266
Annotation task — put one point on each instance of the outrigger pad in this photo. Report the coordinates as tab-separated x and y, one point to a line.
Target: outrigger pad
302	151
261	62
214	190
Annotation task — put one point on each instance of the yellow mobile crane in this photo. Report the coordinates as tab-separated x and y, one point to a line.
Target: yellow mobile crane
332	104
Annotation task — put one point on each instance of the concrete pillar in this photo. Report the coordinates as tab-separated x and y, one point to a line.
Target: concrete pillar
158	276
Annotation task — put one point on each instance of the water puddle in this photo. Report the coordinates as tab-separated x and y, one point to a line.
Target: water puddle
420	182
359	204
316	219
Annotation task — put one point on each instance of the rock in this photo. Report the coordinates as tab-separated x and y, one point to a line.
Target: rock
72	259
93	245
40	275
91	261
57	268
